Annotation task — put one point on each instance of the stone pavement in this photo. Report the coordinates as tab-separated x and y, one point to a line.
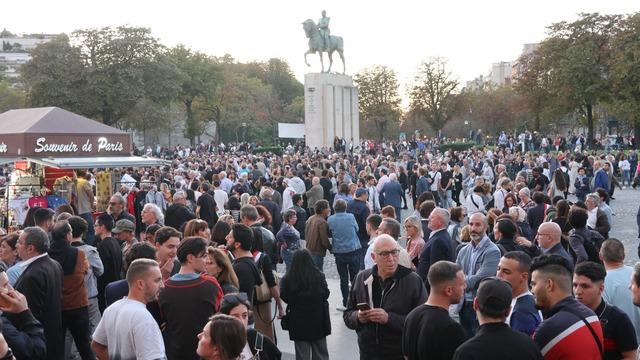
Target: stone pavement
343	342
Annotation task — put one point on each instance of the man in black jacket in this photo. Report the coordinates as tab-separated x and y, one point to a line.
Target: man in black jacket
358	207
379	327
41	284
111	255
494	339
178	214
438	245
22	332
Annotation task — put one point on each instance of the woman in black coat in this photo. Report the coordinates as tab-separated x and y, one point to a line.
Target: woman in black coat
305	291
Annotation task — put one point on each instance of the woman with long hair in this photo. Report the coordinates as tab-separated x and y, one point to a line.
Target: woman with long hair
415	240
237	305
509	201
558	185
305	291
222	338
219	233
264	217
219	266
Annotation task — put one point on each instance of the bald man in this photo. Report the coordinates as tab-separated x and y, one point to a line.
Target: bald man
549	236
379	325
438	246
479	259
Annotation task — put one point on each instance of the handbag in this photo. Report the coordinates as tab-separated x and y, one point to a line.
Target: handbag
284	321
262	291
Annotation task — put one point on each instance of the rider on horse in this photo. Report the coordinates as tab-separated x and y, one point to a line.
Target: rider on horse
323	28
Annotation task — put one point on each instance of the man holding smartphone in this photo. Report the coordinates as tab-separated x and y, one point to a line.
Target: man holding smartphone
395	291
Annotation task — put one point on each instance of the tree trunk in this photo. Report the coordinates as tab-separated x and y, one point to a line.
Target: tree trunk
536	122
189	124
636	133
590	137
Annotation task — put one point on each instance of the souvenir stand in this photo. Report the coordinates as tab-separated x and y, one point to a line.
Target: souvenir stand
45	145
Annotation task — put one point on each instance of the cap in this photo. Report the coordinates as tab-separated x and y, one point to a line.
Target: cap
124	225
494	295
360	192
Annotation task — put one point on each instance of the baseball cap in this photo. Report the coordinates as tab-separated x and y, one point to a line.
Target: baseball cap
124	225
361	192
494	295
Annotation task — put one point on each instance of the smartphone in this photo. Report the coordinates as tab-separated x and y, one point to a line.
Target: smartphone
363	307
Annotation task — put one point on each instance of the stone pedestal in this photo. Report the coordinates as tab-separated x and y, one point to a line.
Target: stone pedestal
330	110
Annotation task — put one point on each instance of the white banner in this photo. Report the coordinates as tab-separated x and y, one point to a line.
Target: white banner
290	131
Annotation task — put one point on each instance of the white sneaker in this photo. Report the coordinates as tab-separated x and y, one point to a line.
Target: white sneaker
341	308
624	187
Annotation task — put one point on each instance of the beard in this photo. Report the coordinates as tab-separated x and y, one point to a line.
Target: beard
475	237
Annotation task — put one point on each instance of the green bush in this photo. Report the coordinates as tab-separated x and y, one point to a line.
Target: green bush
457	146
265	149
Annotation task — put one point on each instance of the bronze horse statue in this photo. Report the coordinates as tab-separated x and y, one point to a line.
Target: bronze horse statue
316	44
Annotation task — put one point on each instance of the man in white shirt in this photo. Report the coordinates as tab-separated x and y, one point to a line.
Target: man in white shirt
616	283
501	193
127	329
373	201
373	222
220	196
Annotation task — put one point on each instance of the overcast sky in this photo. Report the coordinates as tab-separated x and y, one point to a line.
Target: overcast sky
399	34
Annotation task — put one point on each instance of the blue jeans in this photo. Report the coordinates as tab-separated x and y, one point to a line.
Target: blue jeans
348	265
626	176
287	256
91	233
318	261
468	319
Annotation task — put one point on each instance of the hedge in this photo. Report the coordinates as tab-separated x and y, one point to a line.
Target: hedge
265	149
457	146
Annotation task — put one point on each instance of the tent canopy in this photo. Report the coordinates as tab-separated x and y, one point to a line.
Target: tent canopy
100	162
55	132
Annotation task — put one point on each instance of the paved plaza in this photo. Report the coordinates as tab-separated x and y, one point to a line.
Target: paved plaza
343	342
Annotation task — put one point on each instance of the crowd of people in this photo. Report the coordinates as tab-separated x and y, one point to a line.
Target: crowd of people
482	253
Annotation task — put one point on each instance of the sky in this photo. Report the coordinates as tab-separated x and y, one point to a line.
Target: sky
471	35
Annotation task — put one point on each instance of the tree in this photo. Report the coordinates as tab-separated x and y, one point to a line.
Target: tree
10	98
378	97
432	93
578	62
115	60
56	76
533	82
625	70
243	99
200	78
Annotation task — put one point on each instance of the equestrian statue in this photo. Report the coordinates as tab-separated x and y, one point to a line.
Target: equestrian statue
321	40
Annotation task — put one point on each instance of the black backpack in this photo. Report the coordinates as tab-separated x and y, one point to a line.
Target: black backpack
591	246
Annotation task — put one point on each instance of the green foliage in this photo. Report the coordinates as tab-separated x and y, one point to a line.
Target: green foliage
625	71
572	66
265	149
56	76
378	99
199	76
11	98
456	146
124	77
431	95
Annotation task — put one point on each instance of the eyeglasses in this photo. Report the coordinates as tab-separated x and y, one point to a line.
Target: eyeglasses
394	252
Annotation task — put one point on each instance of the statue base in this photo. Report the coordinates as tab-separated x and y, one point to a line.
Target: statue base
330	110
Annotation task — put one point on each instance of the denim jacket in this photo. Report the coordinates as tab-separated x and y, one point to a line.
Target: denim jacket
344	233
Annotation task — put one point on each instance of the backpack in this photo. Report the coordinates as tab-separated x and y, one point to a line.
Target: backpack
591	247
